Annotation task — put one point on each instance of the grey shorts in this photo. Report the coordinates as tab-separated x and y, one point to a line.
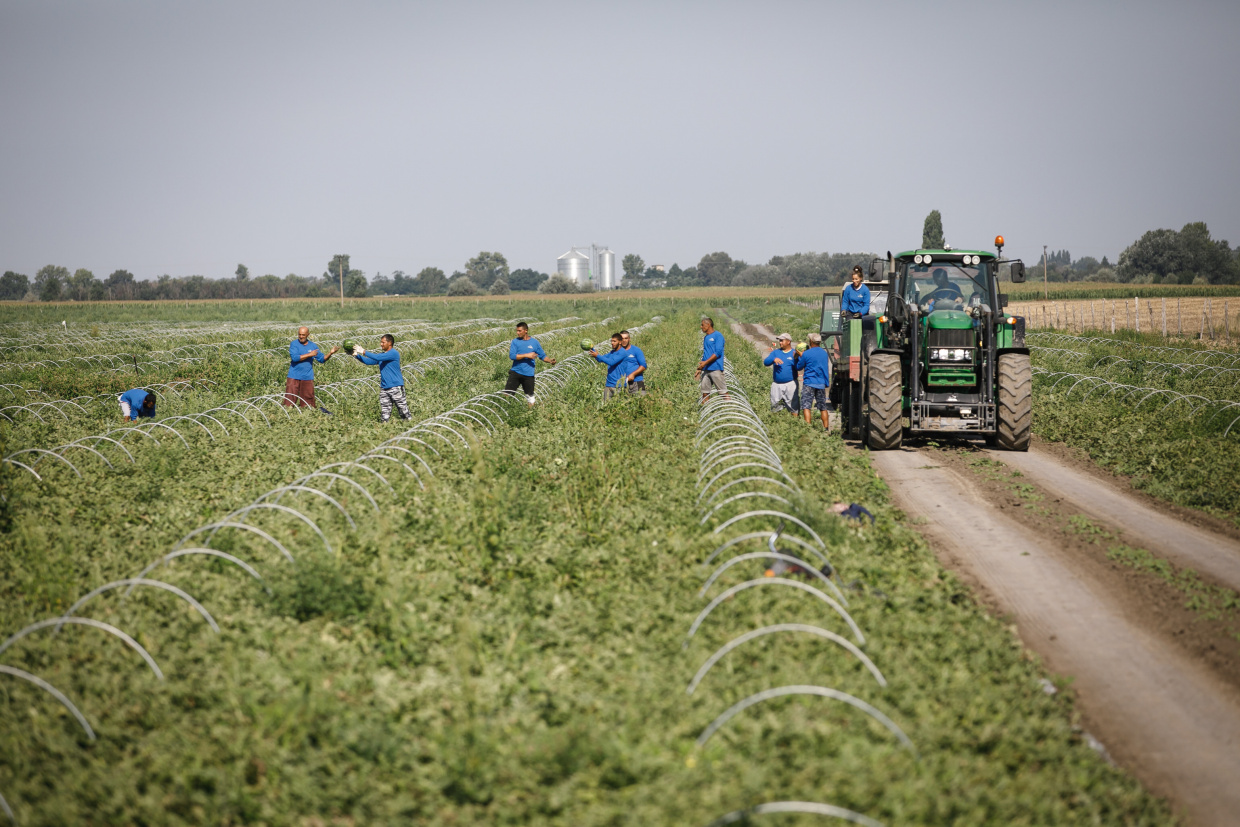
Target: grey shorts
608	393
637	388
783	396
712	379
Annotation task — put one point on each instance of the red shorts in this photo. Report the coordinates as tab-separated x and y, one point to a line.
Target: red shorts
299	392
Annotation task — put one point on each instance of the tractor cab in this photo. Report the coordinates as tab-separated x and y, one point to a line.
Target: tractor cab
940	355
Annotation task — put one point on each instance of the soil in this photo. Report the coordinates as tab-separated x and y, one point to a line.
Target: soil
1157	683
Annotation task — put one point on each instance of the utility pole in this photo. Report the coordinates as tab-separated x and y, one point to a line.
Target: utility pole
1045	292
340	267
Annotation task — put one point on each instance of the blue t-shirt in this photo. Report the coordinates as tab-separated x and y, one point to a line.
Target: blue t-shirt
785	372
856	300
301	368
615	366
712	345
634	360
135	398
817	367
389	366
525	367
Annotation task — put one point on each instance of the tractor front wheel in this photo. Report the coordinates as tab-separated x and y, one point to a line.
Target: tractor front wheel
1015	409
886	402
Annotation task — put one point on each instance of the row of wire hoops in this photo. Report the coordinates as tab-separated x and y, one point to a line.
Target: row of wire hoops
738	469
483	414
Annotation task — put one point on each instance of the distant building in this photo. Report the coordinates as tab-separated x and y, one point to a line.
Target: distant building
575	266
658	267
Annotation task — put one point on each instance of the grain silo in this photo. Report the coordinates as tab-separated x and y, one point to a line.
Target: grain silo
575	266
606	278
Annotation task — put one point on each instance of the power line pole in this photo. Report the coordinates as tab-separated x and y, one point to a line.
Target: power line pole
1045	293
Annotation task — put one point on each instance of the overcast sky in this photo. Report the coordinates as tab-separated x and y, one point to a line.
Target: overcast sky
183	138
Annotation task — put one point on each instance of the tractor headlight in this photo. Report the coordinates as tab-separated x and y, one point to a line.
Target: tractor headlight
959	354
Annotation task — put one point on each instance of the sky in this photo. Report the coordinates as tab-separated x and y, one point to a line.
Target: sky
177	137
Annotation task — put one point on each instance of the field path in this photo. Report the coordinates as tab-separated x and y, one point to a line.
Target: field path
1185	545
1161	713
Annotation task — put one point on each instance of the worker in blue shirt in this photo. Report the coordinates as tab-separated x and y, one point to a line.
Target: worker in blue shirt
815	379
299	384
634	364
710	369
855	301
391	380
524	352
784	376
615	361
136	403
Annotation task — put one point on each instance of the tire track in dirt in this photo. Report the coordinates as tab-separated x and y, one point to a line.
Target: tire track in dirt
1161	714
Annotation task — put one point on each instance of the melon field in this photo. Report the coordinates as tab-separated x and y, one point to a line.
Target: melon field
240	613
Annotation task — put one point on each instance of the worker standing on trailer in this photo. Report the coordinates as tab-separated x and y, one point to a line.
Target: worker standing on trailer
135	403
815	379
524	353
784	376
710	369
615	362
855	300
634	365
391	380
299	385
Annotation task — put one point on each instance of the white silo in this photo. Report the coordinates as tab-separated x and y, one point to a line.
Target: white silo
606	278
575	266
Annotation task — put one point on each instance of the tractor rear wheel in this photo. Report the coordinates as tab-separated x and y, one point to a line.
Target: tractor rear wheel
886	402
1015	409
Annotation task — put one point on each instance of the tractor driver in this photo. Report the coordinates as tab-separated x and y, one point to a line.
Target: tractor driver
944	291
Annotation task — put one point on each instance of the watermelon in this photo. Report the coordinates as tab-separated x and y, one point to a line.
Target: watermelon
348	346
801	347
586	344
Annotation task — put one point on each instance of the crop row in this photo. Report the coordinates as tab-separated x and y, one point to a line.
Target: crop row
736	457
249	410
409	451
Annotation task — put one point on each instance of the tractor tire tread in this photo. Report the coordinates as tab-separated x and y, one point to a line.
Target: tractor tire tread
1015	403
885	431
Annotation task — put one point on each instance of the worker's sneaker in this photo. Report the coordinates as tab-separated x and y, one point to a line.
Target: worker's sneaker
324	410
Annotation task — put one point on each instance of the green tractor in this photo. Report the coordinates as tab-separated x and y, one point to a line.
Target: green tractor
936	354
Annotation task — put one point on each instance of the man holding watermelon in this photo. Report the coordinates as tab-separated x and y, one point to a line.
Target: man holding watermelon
524	353
615	362
391	380
299	385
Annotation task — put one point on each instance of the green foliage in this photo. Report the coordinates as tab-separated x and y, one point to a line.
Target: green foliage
932	232
50	281
557	284
431	281
463	286
503	646
13	286
1165	255
484	268
526	279
633	266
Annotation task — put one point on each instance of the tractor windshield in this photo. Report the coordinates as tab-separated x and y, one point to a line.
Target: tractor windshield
948	285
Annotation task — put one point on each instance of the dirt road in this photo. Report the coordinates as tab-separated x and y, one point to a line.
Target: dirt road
1159	690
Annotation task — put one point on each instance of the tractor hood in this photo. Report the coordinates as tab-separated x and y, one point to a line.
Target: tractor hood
949	320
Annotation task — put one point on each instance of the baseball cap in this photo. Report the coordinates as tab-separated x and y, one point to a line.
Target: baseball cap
784	336
816	338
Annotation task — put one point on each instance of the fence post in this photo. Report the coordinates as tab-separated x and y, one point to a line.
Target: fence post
1093	317
1112	317
1164	309
1201	334
1136	306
